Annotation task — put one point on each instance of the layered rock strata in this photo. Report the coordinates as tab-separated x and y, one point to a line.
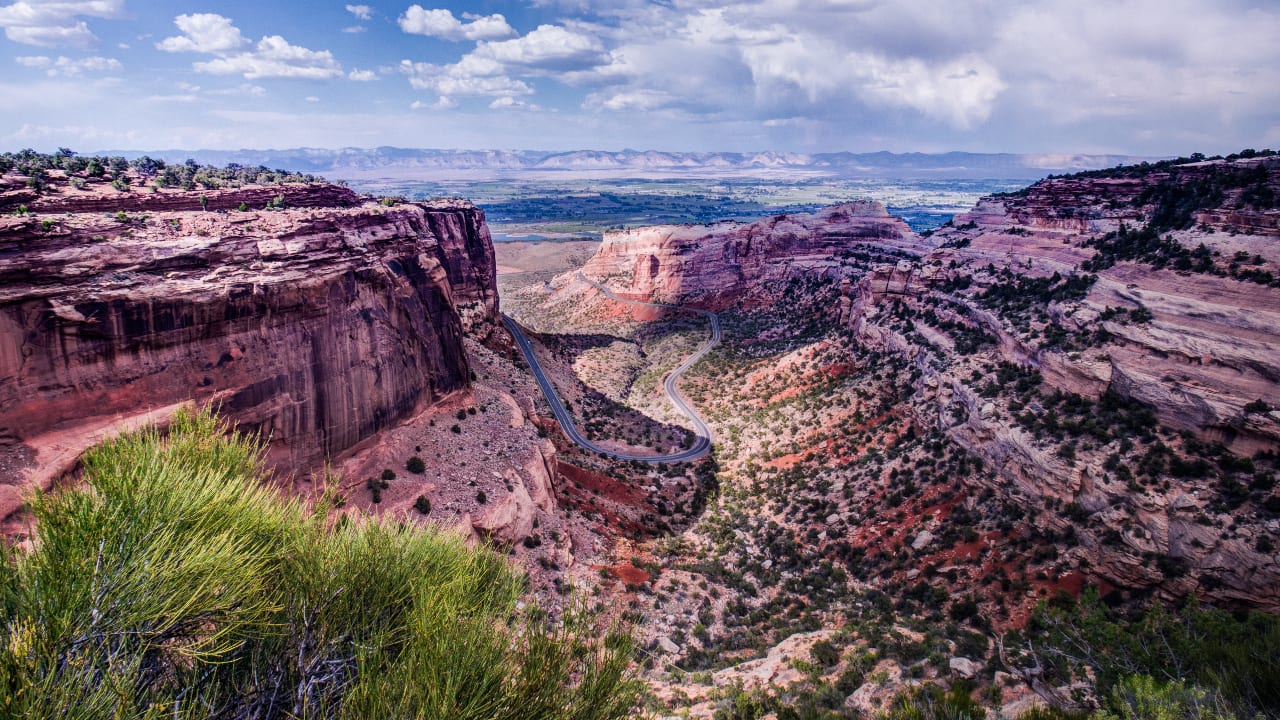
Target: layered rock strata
714	265
317	325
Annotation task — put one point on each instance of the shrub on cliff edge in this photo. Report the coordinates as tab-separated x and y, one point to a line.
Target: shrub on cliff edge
173	583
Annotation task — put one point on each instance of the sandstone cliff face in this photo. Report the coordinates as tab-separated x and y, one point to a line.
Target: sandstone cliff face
318	325
714	265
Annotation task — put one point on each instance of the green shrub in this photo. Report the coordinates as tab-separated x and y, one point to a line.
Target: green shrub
388	474
415	465
174	583
1256	406
1236	657
931	702
1142	697
825	654
1044	712
422	505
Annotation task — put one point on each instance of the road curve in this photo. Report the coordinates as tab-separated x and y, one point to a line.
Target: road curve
700	447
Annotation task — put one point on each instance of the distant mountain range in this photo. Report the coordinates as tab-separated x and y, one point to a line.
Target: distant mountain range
409	163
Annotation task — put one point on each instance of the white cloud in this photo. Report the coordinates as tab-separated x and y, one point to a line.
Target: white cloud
444	103
56	23
362	12
495	68
507	102
442	24
245	89
1140	59
466	78
205	33
312	99
759	61
271	57
68	67
631	101
549	47
1144	76
958	91
274	57
355	29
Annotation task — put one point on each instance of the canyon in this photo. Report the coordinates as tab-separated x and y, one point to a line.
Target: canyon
920	440
980	292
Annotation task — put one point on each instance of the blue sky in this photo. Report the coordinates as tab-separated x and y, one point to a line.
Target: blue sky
1128	76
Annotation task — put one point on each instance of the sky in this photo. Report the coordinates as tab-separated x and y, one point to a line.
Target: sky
1146	77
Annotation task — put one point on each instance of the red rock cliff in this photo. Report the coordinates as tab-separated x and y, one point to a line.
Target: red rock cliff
319	326
713	265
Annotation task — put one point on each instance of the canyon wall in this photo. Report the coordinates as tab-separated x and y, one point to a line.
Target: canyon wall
1189	330
715	265
318	325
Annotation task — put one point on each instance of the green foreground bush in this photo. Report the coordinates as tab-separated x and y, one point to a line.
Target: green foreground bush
174	584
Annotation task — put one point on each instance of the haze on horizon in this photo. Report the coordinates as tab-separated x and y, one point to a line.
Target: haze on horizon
1153	77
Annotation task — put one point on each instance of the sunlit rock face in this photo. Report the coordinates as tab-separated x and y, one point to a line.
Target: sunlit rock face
318	325
712	265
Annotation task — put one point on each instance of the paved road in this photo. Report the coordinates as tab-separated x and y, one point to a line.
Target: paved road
699	448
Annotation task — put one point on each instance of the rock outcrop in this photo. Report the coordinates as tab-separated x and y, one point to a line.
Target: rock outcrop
717	264
317	325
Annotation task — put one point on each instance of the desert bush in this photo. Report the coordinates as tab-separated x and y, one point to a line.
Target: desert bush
174	583
825	654
931	702
1234	657
415	465
1142	697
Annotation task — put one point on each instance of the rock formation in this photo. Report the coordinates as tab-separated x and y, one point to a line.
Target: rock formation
317	325
714	265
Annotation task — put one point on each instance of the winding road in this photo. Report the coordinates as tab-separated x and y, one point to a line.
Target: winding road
669	386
